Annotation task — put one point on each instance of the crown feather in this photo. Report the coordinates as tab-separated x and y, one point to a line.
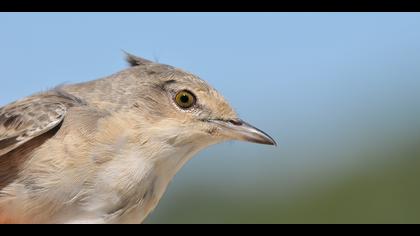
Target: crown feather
135	60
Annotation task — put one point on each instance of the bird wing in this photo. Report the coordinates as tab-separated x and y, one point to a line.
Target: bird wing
26	119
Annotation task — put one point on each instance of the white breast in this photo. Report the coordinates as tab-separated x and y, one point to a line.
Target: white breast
130	186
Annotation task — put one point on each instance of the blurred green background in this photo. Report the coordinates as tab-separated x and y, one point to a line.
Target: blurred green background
340	93
378	193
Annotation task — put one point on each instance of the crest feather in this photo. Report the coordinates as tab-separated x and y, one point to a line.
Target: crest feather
135	60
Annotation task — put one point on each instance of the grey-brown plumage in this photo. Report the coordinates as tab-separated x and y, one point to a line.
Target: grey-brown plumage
104	151
26	119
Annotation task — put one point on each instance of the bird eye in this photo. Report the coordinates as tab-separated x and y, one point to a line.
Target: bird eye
185	99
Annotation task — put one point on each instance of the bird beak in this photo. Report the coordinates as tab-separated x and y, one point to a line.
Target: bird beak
240	130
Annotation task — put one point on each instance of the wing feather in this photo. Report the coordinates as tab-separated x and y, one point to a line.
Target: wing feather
26	119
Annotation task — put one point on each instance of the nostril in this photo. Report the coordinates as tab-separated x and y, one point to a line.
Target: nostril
236	122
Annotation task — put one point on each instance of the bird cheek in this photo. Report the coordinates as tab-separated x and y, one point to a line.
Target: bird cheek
216	135
212	131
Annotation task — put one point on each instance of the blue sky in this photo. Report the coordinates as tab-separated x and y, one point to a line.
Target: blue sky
324	85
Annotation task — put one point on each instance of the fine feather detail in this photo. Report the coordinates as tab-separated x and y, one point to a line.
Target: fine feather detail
135	60
28	118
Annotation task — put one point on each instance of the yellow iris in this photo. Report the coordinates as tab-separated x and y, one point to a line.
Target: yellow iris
185	99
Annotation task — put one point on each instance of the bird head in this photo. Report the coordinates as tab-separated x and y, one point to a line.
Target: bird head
185	109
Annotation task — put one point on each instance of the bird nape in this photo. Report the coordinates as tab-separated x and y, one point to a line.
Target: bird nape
105	151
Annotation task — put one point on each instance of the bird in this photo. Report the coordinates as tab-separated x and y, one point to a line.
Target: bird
104	151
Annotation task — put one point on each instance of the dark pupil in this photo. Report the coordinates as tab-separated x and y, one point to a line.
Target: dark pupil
184	98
